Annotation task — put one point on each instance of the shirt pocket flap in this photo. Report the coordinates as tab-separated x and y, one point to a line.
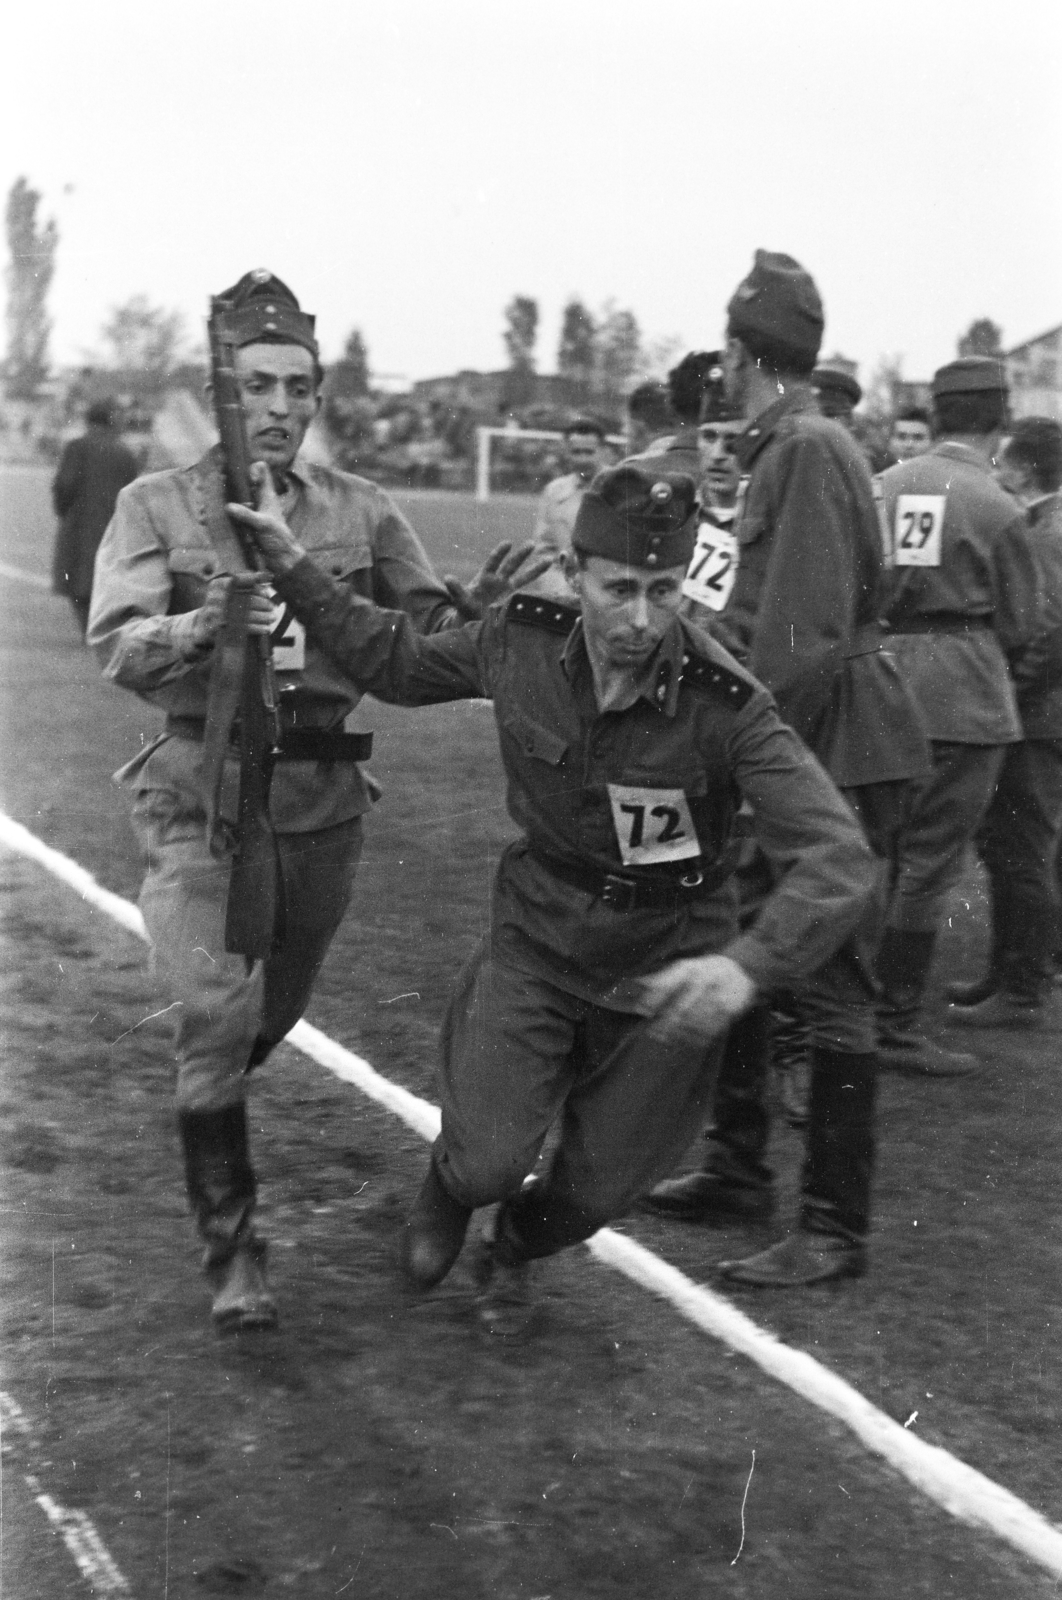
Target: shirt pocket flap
198	560
339	560
534	739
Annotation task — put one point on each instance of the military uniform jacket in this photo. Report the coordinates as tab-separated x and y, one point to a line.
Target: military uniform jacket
1038	674
963	591
558	506
92	472
804	607
646	791
154	564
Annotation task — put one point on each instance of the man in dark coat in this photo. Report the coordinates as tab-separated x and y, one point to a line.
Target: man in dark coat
92	471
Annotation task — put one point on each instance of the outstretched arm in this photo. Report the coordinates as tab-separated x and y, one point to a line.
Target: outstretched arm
378	650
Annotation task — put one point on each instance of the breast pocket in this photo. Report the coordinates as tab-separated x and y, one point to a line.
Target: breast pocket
191	568
534	740
346	563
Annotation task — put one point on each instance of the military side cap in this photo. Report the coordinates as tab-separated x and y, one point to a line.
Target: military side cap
971	375
715	407
839	379
645	519
260	309
779	300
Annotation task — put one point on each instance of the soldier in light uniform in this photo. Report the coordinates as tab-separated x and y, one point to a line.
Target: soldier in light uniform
158	605
627	737
962	601
1019	838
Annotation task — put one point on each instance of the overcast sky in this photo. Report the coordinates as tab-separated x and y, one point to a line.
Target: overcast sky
408	166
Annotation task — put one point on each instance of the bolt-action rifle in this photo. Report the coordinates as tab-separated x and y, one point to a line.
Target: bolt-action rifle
242	695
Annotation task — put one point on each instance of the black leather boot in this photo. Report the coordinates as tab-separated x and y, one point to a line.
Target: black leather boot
902	970
734	1182
222	1191
838	1164
432	1234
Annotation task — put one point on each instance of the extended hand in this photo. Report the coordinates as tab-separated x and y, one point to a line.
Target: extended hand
505	570
698	998
209	619
279	548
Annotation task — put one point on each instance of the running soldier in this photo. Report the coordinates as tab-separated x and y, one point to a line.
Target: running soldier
627	737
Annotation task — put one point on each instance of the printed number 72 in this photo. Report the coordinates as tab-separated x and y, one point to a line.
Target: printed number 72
668	832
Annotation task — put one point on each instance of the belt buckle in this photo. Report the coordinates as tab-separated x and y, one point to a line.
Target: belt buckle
619	893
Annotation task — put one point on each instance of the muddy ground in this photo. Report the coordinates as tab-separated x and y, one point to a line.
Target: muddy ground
379	1446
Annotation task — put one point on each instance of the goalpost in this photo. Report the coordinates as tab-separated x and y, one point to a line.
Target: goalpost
514	436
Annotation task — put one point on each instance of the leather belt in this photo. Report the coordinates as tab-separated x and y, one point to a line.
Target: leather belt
625	892
941	624
296	744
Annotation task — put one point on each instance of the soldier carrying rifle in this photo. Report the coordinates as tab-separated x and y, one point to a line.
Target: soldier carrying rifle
248	806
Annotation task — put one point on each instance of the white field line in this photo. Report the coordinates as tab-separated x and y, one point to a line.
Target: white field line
21	575
94	1561
962	1491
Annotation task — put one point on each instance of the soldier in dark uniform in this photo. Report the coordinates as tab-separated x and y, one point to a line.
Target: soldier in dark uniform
963	600
1019	838
162	574
628	738
837	391
92	472
803	611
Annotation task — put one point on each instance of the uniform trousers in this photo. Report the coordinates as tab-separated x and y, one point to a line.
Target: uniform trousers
1018	842
946	811
223	1006
519	1053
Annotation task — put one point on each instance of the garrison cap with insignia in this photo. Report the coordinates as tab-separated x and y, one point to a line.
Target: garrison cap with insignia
839	379
971	375
715	407
260	309
779	300
642	518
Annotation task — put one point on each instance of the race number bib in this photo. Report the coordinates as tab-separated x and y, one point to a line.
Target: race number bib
714	566
287	638
917	529
652	825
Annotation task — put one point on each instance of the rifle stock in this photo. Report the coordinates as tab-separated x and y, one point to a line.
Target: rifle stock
254	915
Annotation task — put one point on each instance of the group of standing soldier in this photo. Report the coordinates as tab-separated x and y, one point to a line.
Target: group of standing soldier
746	738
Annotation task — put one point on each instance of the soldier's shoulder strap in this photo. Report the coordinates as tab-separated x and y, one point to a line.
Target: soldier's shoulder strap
701	673
533	611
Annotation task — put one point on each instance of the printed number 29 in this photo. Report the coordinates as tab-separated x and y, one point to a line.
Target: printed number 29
670	830
920	522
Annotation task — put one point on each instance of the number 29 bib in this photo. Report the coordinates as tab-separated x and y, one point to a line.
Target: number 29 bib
652	825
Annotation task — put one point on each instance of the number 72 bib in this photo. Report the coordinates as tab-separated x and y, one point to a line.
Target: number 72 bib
652	825
713	568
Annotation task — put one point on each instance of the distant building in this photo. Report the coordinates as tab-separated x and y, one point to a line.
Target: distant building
487	393
1035	369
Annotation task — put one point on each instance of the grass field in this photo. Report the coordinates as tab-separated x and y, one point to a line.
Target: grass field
375	1446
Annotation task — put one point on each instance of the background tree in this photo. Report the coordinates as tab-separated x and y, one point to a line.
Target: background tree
982	338
145	342
349	376
619	350
521	331
881	400
576	350
348	412
28	276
